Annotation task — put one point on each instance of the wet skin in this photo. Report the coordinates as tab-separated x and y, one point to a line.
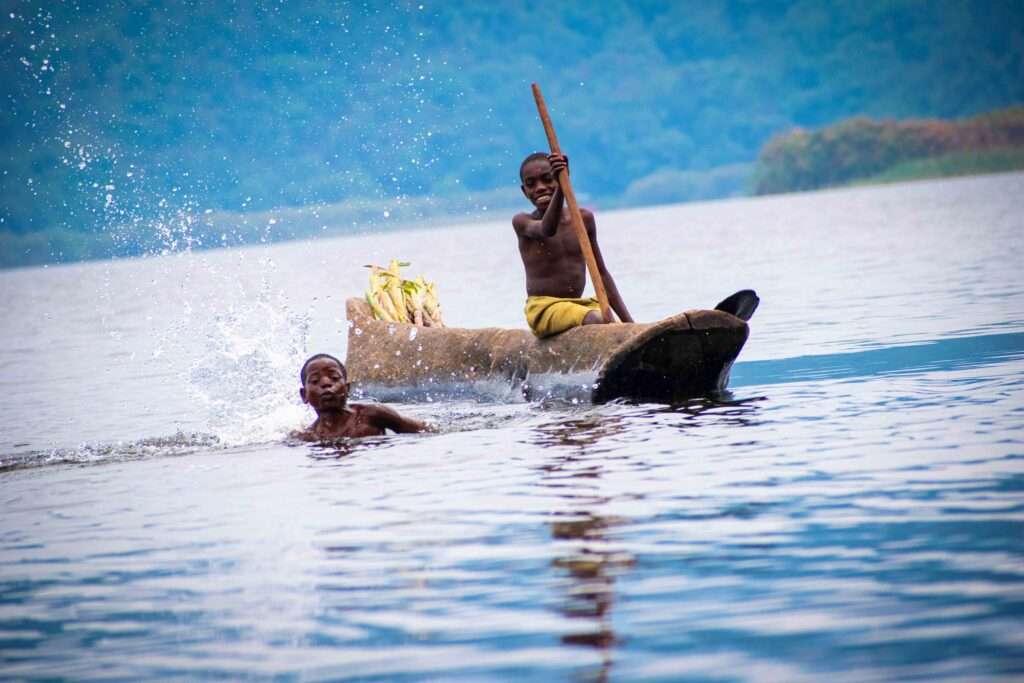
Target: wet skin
327	389
551	253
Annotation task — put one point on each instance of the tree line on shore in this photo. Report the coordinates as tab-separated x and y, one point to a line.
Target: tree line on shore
862	148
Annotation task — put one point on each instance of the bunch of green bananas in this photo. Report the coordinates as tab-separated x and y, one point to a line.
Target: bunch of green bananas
402	301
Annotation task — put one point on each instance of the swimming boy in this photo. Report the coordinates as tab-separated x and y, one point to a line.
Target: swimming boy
325	387
556	271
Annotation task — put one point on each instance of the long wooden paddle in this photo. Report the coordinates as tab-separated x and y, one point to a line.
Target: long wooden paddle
574	209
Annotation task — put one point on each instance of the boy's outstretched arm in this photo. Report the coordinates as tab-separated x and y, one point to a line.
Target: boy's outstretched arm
388	418
614	298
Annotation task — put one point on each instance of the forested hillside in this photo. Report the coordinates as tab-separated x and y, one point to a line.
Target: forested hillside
121	118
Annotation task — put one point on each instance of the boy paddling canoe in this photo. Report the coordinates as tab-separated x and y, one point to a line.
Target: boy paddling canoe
556	270
556	258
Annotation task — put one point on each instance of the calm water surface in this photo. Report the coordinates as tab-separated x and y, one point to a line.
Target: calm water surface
854	510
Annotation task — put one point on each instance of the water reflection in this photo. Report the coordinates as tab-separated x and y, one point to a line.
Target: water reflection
723	408
592	563
342	447
586	555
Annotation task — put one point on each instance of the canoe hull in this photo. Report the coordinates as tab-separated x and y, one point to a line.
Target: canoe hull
681	357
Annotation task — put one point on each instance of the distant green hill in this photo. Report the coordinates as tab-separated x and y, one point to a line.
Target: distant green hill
125	123
865	150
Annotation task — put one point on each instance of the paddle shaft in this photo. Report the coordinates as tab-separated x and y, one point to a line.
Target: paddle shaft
574	209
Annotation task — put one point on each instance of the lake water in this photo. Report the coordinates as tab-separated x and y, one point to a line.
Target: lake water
854	511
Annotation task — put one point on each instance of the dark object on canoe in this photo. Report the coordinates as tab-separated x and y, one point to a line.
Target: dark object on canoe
687	355
742	304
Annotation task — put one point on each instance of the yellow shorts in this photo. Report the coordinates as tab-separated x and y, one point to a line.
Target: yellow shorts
548	315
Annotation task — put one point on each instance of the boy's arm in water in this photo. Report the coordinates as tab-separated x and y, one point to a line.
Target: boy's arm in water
388	418
614	298
302	434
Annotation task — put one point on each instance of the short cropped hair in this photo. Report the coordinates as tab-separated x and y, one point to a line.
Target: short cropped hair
528	159
302	372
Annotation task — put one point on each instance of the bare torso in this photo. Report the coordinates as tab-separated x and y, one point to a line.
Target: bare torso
554	265
551	252
357	421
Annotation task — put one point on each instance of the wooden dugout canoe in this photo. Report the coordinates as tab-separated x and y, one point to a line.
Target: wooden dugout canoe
687	355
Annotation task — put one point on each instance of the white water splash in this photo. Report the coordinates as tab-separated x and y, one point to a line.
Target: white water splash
247	375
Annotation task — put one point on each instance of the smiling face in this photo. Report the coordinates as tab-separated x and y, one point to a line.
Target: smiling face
326	386
539	184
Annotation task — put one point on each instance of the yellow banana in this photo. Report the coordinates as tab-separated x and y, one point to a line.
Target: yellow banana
379	296
396	300
432	306
371	295
378	312
393	288
414	292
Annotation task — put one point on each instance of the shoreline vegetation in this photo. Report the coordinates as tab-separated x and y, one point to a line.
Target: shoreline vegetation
1000	160
854	152
861	150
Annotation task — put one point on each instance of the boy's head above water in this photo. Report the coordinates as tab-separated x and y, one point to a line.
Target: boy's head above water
325	389
538	180
317	356
324	383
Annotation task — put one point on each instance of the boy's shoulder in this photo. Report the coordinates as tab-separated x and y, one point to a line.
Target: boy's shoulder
380	416
523	217
368	412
